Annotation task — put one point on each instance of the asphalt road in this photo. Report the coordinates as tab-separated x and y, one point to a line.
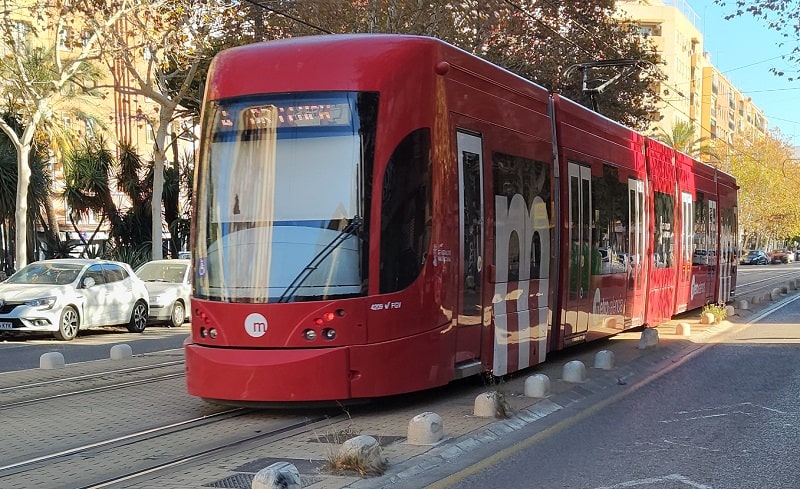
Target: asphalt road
725	417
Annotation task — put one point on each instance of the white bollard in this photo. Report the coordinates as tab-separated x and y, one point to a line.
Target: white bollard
707	318
121	352
574	371
729	311
425	429
537	386
280	475
51	360
743	305
366	450
604	360
649	338
486	405
683	329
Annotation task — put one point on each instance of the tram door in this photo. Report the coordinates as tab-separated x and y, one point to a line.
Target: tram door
637	229
687	239
581	253
470	184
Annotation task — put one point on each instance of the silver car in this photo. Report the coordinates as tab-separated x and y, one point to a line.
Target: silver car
65	296
169	284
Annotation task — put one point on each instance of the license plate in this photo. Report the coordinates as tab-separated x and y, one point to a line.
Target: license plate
5	325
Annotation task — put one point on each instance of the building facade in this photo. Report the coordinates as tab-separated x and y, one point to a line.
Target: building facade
694	92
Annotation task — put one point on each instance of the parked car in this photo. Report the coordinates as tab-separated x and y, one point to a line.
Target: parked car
755	257
169	286
780	256
64	296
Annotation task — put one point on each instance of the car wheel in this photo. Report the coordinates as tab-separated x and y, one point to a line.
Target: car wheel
68	324
178	315
138	318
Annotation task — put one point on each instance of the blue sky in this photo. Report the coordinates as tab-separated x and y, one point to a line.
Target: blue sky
744	50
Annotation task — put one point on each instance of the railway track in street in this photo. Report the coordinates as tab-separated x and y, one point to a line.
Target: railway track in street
152	452
110	427
14	395
755	282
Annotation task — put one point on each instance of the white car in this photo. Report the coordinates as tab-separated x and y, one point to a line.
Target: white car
64	296
169	283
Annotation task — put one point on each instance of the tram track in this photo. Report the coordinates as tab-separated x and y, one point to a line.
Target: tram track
44	390
142	454
754	284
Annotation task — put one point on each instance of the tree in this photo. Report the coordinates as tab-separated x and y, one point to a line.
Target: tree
88	171
782	16
682	138
768	180
159	49
37	199
538	40
38	88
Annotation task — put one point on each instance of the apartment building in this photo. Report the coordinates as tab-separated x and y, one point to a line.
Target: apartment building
694	91
726	111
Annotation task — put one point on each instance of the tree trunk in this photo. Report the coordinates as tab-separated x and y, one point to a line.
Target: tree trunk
21	214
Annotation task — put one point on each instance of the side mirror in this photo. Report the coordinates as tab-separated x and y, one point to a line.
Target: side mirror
88	282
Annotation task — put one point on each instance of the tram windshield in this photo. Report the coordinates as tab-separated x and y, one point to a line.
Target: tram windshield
281	199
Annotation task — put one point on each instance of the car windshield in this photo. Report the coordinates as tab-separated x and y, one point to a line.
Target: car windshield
162	272
46	274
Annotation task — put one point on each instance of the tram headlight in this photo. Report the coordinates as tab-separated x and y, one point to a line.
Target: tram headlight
329	333
310	334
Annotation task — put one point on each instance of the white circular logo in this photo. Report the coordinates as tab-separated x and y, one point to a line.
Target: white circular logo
255	324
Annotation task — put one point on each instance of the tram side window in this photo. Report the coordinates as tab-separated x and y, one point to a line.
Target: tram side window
530	179
703	248
406	212
610	223
663	230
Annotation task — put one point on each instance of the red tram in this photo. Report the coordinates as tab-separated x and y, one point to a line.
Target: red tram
381	214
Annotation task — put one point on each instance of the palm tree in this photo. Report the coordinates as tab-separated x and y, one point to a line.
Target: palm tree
682	138
88	171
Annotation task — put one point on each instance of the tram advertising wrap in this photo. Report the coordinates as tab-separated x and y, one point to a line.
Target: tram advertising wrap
382	214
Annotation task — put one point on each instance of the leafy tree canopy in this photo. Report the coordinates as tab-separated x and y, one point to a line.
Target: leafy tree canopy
782	16
536	39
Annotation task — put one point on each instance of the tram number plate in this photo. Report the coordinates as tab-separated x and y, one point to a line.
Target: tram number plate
5	325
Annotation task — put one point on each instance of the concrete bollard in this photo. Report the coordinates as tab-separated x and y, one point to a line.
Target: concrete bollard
604	360
649	338
743	305
280	475
776	294
425	429
366	450
683	329
486	405
730	311
537	386
707	318
51	360
574	371
121	352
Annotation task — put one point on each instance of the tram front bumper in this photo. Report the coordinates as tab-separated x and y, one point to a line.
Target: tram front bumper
263	375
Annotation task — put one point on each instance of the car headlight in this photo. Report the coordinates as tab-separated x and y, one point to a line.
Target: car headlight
44	302
158	299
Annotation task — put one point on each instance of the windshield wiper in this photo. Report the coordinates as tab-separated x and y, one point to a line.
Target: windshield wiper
353	225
